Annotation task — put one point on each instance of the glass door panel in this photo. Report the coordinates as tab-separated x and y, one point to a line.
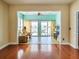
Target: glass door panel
44	28
34	28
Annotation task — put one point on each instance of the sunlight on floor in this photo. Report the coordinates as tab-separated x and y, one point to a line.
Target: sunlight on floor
43	40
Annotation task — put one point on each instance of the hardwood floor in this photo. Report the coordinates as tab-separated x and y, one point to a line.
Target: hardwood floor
24	51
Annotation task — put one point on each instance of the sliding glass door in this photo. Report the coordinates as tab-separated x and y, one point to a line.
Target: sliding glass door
41	32
41	28
45	32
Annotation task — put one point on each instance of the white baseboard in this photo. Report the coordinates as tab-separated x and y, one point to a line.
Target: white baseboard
75	47
10	43
64	43
13	43
4	46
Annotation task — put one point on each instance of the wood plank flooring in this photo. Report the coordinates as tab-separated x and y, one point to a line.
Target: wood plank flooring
24	51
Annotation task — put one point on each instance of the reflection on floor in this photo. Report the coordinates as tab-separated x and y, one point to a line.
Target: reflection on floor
43	40
39	51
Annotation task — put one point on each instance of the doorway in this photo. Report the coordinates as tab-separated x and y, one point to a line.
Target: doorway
43	29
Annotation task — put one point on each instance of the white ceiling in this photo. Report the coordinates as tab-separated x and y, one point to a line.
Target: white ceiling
39	1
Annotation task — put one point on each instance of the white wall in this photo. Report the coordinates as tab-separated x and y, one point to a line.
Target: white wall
73	9
3	23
